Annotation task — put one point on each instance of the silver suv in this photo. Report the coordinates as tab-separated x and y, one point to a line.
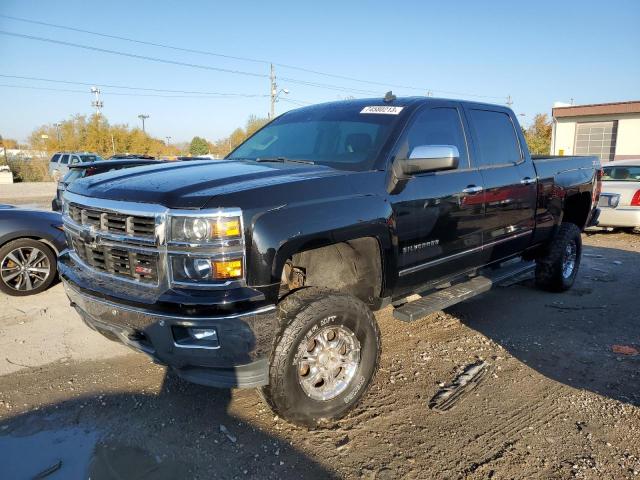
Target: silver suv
59	163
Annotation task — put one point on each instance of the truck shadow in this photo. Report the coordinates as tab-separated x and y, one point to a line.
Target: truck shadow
568	337
182	431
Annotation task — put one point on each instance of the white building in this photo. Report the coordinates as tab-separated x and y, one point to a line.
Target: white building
608	130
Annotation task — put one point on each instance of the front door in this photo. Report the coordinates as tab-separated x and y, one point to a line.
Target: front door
438	216
509	183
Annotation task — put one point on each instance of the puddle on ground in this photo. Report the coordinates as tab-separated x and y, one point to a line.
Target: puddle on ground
31	456
77	453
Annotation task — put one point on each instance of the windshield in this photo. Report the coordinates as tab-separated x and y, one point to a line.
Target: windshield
341	137
624	173
72	175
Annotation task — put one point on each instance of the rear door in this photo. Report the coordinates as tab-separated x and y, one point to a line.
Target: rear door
438	215
509	180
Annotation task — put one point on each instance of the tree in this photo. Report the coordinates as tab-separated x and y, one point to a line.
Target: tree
199	146
538	135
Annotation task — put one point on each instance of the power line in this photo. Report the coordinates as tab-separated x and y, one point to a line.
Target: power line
21	77
247	59
84	92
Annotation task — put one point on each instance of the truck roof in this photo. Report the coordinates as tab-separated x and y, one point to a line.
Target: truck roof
400	102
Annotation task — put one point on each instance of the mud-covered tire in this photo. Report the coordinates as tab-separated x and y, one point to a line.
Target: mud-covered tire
303	314
555	269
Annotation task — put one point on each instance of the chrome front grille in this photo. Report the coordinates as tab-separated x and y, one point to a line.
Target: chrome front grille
133	225
140	266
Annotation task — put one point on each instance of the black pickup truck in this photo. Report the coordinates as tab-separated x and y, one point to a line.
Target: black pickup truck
263	270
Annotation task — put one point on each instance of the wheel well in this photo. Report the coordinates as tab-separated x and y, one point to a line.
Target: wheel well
576	209
352	267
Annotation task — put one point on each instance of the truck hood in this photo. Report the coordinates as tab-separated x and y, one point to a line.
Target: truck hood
191	185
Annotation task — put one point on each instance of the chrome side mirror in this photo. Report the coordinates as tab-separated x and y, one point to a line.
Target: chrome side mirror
430	158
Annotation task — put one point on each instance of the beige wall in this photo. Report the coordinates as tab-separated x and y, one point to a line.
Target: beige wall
628	141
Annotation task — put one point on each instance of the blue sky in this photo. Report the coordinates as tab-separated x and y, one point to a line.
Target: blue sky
537	52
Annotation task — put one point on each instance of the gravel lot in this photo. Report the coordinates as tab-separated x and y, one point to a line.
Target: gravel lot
557	403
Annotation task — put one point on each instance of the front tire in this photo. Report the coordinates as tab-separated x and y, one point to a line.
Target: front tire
557	268
325	357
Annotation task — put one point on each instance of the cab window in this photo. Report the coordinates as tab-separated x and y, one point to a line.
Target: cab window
436	126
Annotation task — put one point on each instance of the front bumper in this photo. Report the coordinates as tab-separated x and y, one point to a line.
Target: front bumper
619	217
240	360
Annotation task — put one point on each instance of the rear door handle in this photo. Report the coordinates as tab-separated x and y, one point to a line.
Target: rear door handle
472	189
527	181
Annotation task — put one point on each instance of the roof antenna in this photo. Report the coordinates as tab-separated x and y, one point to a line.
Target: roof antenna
389	97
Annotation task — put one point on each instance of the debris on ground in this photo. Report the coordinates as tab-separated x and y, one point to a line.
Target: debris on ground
48	471
227	433
624	350
450	394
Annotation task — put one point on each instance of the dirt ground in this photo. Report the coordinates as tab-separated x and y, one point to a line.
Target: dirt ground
558	402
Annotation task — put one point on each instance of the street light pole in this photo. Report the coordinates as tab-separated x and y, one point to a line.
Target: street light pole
143	117
57	125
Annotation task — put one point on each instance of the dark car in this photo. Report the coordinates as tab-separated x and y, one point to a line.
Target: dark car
30	241
88	169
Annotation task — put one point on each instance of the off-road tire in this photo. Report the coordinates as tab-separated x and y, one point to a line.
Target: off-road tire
51	256
549	266
302	313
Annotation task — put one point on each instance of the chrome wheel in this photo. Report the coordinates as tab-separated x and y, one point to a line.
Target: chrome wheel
569	259
329	362
25	268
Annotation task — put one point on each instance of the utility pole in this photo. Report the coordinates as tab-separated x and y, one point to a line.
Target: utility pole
509	101
113	144
143	117
97	103
273	93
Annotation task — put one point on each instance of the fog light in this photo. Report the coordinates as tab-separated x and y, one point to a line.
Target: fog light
228	269
203	333
195	337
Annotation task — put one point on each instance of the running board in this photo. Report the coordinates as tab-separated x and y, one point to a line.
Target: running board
440	299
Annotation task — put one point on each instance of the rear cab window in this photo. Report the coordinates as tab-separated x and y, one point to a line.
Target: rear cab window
495	138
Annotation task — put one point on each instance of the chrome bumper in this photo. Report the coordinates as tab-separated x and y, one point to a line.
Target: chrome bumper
241	359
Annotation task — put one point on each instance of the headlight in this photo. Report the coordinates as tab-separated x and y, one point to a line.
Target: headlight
204	229
197	269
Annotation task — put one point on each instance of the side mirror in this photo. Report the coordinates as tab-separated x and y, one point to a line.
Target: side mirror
430	158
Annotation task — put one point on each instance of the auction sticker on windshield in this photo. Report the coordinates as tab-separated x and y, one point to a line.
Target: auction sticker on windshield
382	109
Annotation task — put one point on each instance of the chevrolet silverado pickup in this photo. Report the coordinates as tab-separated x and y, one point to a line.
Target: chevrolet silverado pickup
263	270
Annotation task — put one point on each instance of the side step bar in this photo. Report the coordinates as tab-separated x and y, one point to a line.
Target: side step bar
440	299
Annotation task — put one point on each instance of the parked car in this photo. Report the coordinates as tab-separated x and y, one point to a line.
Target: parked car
620	199
30	241
82	170
61	161
125	156
264	270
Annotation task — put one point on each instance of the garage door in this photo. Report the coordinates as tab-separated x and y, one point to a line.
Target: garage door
597	138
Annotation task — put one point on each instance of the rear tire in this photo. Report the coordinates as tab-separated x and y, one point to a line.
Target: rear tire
314	323
557	268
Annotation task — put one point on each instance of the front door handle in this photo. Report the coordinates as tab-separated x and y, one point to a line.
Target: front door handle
527	181
472	189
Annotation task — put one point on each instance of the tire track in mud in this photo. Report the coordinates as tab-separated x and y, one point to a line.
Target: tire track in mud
497	441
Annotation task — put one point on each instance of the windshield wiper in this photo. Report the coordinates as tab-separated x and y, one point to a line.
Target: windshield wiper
284	160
